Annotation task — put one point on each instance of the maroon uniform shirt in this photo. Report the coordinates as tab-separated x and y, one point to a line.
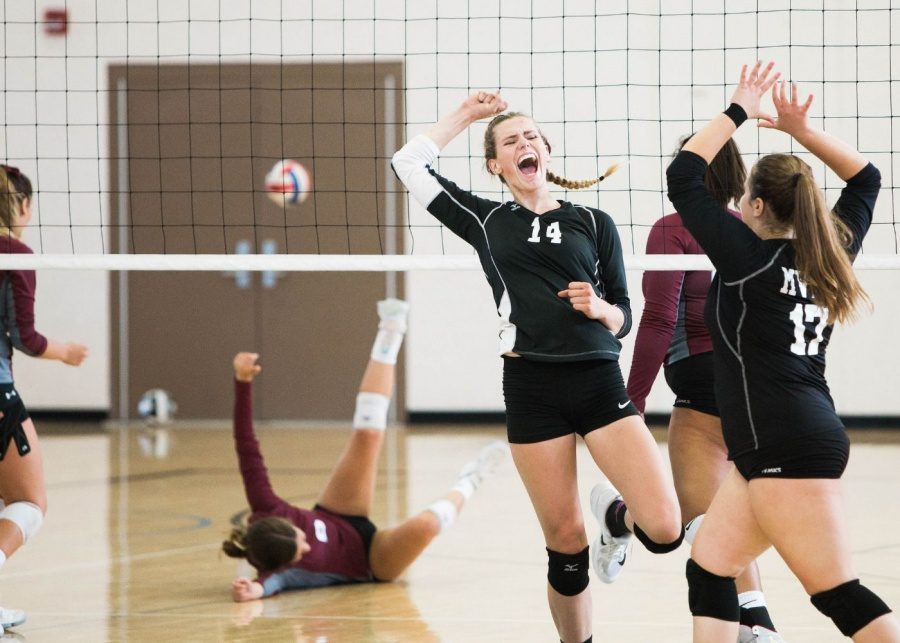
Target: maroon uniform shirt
17	311
672	326
338	554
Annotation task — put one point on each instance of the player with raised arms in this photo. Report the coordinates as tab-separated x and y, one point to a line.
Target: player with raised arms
783	278
673	335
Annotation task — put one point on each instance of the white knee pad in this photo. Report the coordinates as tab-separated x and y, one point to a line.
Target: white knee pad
371	411
27	516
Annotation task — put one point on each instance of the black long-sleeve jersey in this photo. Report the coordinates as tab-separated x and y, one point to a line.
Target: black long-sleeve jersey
769	336
527	259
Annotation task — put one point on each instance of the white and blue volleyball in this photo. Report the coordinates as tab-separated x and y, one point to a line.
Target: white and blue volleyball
156	406
288	183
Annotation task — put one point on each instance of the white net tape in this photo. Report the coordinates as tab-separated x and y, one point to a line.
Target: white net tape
347	263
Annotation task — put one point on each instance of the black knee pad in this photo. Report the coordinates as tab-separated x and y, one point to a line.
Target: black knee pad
655	547
711	595
568	573
851	606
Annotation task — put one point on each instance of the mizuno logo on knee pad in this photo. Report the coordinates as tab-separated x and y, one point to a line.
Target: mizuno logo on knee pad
568	573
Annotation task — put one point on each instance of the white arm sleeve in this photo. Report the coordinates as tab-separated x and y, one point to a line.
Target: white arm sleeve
411	164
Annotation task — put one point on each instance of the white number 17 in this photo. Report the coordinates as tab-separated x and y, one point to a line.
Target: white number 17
801	315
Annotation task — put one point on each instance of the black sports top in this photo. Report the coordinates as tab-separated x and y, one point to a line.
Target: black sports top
527	259
769	336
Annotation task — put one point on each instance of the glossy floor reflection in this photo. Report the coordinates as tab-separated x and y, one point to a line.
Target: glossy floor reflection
130	548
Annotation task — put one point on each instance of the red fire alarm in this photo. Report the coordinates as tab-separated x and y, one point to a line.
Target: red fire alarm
56	22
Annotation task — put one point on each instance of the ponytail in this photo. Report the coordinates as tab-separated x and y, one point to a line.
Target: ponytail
267	543
9	205
15	189
726	173
786	186
820	241
236	544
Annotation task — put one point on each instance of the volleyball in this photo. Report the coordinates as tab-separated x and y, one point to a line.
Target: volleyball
157	406
288	183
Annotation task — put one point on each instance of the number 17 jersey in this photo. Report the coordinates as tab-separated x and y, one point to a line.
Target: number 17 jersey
769	335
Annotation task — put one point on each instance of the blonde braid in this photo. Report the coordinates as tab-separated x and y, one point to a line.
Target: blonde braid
569	184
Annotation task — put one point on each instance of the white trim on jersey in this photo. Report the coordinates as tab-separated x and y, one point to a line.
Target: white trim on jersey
503	310
409	161
740	325
763	269
737	349
719	322
507	328
489	214
590	216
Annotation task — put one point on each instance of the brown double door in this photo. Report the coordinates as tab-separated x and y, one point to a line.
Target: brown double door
194	144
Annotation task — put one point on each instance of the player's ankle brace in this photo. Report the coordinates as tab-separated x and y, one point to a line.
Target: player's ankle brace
615	519
387	346
465	486
754	610
445	511
850	605
711	595
568	573
655	547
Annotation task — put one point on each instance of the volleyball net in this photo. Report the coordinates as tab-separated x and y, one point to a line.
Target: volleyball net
148	129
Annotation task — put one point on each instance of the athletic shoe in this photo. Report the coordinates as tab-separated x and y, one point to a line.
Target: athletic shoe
483	466
392	313
11	618
757	634
608	552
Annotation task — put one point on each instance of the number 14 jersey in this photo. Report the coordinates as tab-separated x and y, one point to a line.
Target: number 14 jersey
529	258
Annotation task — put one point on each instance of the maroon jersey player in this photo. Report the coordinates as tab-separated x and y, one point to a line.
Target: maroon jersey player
334	542
24	498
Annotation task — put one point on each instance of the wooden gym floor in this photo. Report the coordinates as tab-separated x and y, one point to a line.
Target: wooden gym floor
130	548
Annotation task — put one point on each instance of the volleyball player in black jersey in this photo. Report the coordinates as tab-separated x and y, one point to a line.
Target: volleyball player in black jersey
558	279
783	277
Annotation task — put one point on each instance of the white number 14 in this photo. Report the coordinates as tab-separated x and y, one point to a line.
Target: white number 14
801	315
553	232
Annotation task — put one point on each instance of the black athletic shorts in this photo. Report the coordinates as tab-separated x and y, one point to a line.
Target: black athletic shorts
547	400
691	380
363	526
818	456
14	415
